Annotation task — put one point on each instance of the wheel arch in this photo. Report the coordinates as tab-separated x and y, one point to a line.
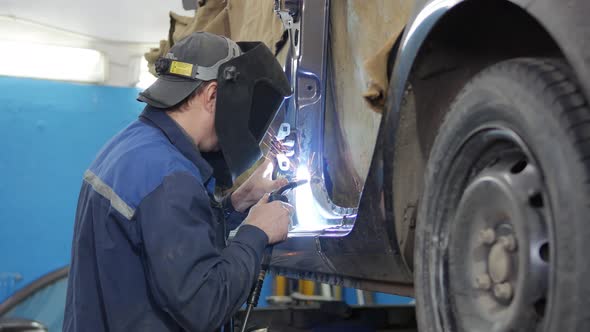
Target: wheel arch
544	20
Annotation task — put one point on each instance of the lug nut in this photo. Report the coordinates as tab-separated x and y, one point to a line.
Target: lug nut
487	236
508	242
483	282
503	291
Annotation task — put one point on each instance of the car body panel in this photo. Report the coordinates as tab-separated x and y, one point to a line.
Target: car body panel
338	254
367	255
567	24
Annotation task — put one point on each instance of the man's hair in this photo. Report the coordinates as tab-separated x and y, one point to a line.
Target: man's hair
197	92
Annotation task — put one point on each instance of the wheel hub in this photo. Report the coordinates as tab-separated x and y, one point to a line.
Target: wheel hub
500	265
499	233
500	262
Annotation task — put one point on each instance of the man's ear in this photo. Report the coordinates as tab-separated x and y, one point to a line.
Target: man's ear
210	96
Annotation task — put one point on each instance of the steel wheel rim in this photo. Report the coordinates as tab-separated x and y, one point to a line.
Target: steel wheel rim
502	282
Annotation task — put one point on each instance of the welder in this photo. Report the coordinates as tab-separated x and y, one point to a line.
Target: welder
150	249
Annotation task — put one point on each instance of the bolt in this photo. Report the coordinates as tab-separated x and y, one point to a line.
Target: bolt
508	242
487	236
483	282
503	291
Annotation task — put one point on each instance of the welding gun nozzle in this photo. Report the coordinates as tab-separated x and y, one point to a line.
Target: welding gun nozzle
291	185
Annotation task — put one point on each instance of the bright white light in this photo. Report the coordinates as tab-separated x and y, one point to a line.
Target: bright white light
305	205
145	77
267	174
52	62
311	215
302	173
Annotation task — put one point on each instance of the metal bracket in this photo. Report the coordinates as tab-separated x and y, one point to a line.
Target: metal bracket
283	162
284	131
288	11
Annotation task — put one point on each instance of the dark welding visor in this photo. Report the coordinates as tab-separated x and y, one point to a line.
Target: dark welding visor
251	88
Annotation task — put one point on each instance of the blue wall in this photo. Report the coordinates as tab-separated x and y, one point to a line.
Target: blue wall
49	134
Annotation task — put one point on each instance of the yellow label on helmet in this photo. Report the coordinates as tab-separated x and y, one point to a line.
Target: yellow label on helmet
181	68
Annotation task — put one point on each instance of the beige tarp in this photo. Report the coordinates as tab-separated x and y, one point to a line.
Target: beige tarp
361	34
240	20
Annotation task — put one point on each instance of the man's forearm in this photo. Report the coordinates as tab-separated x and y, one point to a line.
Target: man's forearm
240	199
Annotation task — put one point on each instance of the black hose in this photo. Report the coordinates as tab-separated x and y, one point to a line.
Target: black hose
254	296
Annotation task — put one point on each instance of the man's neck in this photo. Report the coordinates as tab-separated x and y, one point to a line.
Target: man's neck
182	121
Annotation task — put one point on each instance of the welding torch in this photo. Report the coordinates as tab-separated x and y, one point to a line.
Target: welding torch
252	302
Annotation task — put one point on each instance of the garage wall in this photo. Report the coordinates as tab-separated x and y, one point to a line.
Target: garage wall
49	134
123	58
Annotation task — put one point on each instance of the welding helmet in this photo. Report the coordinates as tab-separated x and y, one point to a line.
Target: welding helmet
250	90
251	85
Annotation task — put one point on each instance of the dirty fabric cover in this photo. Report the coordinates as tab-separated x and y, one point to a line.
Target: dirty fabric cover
361	35
362	32
240	20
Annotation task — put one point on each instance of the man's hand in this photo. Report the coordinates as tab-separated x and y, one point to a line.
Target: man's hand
272	218
258	184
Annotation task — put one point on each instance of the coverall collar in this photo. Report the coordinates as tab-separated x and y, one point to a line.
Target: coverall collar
178	138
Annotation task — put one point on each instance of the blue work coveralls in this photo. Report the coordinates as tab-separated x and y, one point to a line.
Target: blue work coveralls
149	250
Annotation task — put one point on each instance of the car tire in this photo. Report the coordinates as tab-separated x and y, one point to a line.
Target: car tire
503	232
